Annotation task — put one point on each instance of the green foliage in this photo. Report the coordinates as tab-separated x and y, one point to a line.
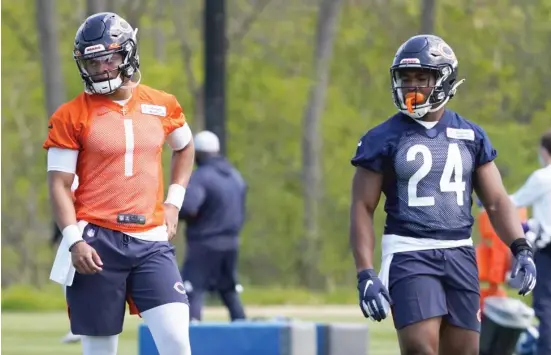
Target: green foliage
501	46
50	298
28	298
295	296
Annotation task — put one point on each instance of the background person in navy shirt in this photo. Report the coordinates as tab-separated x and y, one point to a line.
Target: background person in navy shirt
214	211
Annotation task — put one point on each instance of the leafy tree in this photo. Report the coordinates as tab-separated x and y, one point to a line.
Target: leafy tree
501	45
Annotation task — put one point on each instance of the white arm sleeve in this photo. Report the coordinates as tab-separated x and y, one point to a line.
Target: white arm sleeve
180	137
64	160
529	193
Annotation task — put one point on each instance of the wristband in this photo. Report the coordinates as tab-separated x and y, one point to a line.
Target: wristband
366	274
519	245
175	196
71	235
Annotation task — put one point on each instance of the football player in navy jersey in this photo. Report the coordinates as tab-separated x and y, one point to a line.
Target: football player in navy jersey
427	160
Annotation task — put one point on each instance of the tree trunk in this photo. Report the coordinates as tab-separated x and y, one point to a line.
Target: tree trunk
52	74
427	16
158	34
195	87
311	142
95	6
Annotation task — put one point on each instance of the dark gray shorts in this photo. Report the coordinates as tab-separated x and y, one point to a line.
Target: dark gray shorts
144	273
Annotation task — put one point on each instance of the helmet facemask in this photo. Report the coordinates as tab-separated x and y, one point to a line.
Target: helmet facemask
105	82
443	89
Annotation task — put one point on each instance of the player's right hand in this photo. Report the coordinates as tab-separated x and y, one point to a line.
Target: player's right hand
85	259
371	289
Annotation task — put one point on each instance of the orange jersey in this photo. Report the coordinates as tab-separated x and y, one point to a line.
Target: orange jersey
119	162
493	256
487	232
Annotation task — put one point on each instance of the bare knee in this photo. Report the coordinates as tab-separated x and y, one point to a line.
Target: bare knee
419	349
420	344
466	349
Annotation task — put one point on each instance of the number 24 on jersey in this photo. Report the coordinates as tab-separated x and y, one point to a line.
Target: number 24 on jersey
453	170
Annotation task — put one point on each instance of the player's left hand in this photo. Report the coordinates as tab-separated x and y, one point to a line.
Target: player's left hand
171	219
524	265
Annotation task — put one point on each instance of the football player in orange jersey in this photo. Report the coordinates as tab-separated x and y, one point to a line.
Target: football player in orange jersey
116	234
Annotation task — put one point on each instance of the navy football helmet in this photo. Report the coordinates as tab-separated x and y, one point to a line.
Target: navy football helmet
431	53
97	42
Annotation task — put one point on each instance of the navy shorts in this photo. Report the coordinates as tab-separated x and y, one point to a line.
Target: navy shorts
144	273
208	269
436	283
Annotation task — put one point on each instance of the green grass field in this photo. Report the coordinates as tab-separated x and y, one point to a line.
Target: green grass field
31	333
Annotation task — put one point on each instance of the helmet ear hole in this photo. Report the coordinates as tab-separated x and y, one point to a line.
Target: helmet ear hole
128	71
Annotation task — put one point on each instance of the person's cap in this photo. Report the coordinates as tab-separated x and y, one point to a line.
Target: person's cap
207	142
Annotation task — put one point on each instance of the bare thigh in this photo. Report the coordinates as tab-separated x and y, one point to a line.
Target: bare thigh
421	338
458	341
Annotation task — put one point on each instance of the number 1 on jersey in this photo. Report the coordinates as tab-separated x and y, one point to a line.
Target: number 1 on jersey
129	151
453	167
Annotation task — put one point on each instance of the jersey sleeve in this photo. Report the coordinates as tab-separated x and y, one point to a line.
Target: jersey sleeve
63	131
64	160
175	117
371	152
485	150
180	137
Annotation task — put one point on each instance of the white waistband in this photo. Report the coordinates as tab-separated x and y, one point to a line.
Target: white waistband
393	243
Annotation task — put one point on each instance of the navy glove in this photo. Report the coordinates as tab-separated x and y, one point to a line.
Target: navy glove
371	289
524	266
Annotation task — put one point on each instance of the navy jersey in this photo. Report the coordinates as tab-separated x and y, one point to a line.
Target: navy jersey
427	173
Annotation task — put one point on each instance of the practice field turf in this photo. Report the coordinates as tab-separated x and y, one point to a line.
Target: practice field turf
39	333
